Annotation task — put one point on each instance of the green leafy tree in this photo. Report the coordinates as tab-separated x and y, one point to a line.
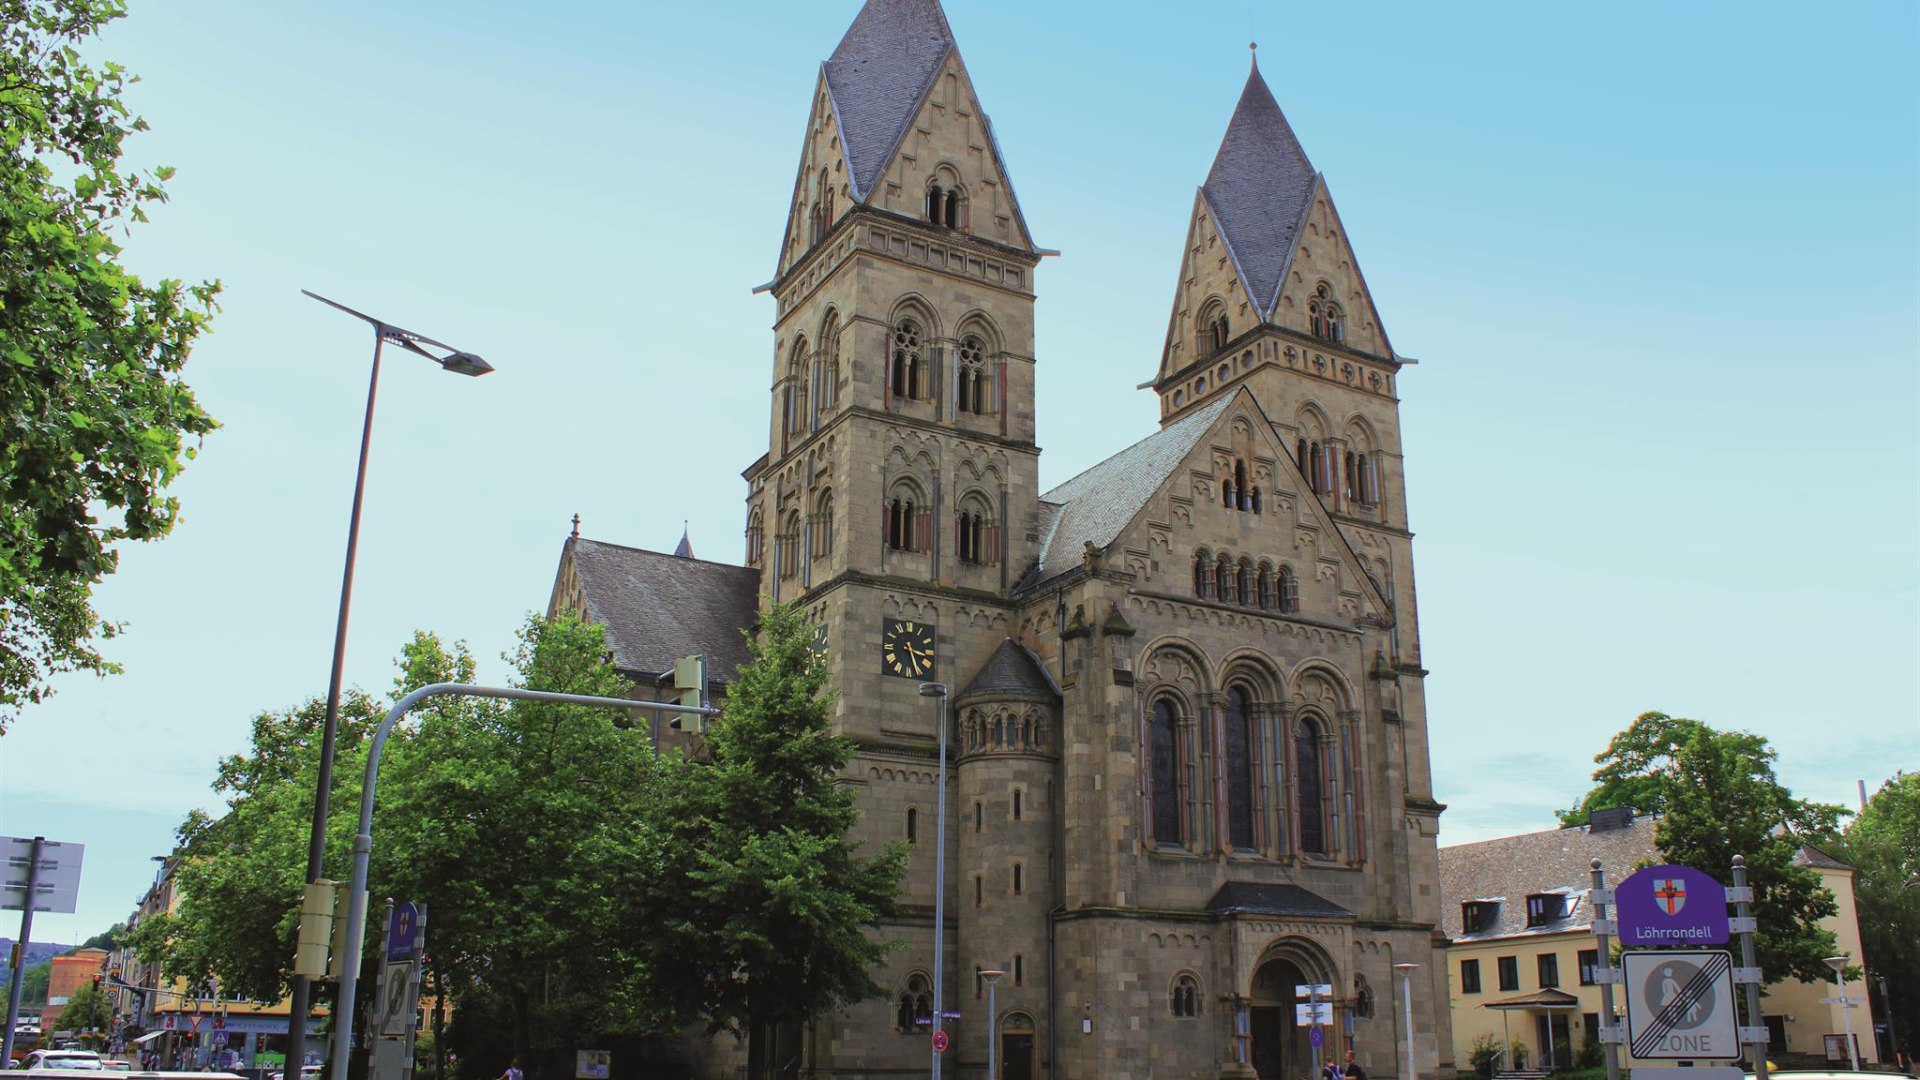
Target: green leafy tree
1717	797
776	920
1883	846
86	1010
33	983
93	413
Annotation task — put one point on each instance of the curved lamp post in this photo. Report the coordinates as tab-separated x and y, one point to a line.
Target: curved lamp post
460	363
363	840
936	690
1839	965
992	975
1406	999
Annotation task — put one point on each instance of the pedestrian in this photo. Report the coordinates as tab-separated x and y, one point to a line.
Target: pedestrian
513	1071
1353	1071
1332	1071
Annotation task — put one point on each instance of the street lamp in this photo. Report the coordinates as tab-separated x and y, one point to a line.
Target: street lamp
460	363
939	690
993	1021
1406	1000
1839	964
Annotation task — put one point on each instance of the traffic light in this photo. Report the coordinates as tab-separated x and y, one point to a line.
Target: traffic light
99	978
690	686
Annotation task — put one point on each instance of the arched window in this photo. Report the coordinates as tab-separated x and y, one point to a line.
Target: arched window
913	825
936	202
1016	804
951	218
974	394
1324	314
1266	587
787	546
908	520
1185	997
829	392
1289	591
1164	764
1239	769
1309	788
976	539
1245	578
909	365
1242	502
1203	575
1211	335
756	538
822	545
979	816
1225	586
1019	886
915	1011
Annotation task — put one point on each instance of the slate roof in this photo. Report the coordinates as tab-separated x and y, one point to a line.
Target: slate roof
657	607
1012	671
1256	899
1259	190
1811	856
878	76
1096	505
1510	869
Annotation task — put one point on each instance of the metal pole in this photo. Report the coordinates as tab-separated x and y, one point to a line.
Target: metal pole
299	1004
993	1024
1406	999
363	840
938	690
1603	943
1743	909
1846	1011
15	983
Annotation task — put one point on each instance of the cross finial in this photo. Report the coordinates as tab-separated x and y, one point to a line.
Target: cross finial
576	526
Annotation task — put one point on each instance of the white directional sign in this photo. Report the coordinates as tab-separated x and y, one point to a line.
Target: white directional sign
56	886
1680	1005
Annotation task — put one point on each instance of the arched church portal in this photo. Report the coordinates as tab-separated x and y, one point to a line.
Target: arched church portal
1281	1048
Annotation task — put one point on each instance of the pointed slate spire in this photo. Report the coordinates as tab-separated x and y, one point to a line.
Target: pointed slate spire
684	549
1259	190
878	76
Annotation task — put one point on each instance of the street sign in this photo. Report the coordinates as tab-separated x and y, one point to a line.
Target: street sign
1315	1037
403	933
55	888
939	1042
1671	905
594	1064
398	985
1305	1014
1680	1005
1308	990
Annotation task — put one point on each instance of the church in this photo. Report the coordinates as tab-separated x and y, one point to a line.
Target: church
1189	807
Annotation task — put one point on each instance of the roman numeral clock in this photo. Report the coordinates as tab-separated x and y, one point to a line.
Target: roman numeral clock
906	649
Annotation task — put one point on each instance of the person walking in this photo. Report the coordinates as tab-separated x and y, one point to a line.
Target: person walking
1332	1071
1352	1069
513	1071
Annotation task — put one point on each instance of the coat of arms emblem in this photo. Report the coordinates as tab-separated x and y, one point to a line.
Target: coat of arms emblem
1670	894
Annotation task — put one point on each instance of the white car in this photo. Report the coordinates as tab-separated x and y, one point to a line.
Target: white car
42	1060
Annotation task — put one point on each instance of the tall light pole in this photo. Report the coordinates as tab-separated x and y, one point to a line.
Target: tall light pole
1839	964
1406	1000
992	975
460	363
939	690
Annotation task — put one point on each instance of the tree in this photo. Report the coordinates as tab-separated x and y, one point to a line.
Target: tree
1717	797
93	413
1883	846
87	1009
774	922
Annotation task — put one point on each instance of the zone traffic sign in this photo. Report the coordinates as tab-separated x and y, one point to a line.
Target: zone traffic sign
1680	1004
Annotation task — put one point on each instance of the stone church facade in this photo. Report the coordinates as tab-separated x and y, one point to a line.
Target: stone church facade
1188	768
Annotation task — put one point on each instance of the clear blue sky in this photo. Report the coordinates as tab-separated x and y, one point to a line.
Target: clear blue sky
1659	262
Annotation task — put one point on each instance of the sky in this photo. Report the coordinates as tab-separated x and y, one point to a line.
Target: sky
1659	263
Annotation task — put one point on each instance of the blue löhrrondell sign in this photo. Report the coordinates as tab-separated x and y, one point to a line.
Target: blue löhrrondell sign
1670	905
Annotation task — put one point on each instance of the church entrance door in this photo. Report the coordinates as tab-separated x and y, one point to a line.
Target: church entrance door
1269	1027
1280	1047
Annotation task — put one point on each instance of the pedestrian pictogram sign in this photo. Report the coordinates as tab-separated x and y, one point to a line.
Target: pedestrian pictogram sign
939	1042
1680	1005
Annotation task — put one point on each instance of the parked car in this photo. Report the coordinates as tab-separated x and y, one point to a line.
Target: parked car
42	1060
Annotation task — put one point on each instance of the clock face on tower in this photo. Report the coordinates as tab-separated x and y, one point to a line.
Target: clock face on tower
906	648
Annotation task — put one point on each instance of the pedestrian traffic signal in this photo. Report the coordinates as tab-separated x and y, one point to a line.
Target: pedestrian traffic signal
690	686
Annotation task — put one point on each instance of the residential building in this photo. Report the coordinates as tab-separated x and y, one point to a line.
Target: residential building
1187	721
1522	956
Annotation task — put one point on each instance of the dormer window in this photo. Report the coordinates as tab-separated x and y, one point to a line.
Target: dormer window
1323	311
1544	908
1479	916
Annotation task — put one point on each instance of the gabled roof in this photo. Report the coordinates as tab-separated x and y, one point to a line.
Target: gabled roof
1512	868
1013	671
657	607
1096	505
878	76
1814	857
1547	998
1256	899
1259	190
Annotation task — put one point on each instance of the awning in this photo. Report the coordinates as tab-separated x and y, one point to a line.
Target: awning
1539	999
148	1037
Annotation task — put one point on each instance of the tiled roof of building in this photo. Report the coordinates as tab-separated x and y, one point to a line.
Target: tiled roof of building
657	607
1811	856
1548	998
878	76
1258	899
1096	505
1512	868
1259	190
1012	671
